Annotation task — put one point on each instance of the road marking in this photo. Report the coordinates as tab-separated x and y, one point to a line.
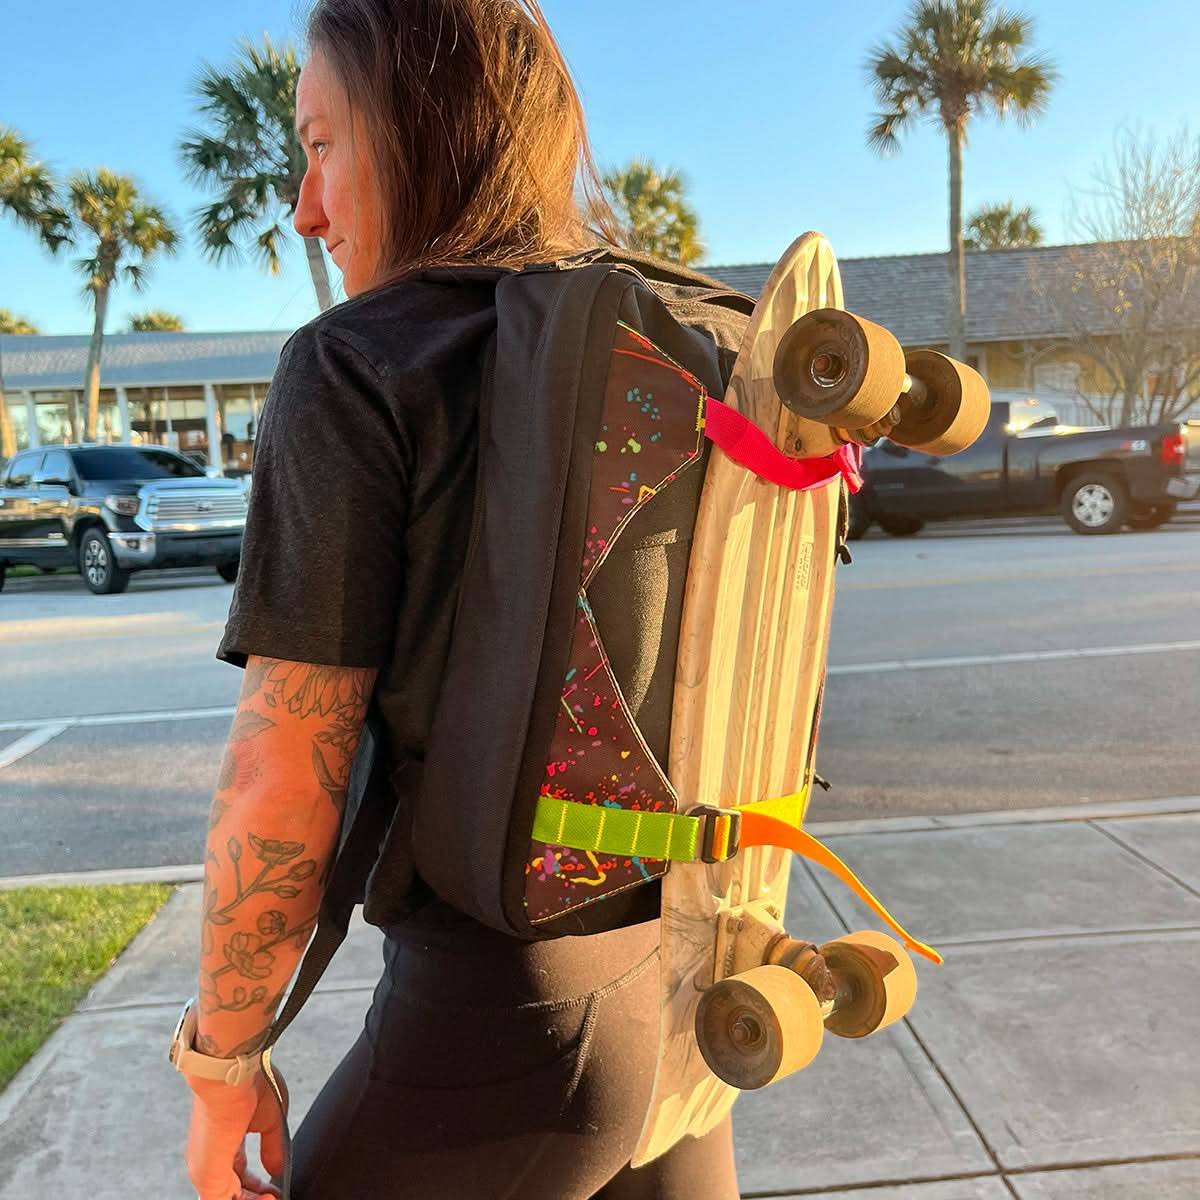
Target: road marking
990	660
34	740
51	727
928	581
130	718
67	627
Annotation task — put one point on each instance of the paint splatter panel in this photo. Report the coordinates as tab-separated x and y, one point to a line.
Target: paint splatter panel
650	430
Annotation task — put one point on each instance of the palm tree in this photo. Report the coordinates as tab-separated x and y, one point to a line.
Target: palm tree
652	211
250	155
155	321
109	207
11	323
27	193
1002	227
955	58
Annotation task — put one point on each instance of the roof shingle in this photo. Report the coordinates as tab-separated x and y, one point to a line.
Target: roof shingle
141	359
908	293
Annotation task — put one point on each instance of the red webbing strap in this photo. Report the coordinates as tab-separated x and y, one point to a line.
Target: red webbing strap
757	829
745	443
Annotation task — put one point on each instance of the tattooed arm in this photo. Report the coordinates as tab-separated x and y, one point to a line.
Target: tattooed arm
271	838
273	829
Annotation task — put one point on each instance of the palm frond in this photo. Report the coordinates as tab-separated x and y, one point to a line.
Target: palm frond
266	246
246	152
883	135
12	324
1006	35
216	225
1023	90
92	273
29	192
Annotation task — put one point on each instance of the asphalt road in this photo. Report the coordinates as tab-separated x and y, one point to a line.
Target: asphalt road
974	667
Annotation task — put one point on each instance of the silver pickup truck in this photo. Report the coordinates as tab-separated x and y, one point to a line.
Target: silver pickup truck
113	510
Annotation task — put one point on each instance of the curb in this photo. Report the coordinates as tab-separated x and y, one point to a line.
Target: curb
1110	810
1114	810
188	873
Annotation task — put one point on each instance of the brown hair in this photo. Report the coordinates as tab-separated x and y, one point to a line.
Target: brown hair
476	132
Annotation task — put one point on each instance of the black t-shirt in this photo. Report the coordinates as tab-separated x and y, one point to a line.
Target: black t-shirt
363	484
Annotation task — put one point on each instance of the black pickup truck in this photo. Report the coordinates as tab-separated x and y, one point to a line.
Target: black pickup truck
111	510
1026	462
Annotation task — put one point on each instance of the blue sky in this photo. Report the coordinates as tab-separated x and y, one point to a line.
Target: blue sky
762	103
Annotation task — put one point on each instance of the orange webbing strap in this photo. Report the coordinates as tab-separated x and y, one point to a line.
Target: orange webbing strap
758	829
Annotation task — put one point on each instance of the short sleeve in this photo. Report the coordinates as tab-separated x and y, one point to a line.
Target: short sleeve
322	565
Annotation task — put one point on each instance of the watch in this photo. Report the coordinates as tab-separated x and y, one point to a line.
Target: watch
206	1066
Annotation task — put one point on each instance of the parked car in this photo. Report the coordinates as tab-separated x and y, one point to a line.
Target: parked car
1026	462
113	510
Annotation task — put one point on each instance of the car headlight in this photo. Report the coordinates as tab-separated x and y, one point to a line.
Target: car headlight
127	506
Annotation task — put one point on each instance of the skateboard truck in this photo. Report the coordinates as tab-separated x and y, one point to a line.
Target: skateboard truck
851	375
715	848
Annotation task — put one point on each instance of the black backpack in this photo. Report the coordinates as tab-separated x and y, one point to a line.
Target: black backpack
562	660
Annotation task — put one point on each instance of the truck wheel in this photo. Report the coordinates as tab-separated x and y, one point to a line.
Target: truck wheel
98	567
228	570
1095	503
901	526
1150	518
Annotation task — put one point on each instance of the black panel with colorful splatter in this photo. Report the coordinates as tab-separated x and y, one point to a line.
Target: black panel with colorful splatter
651	428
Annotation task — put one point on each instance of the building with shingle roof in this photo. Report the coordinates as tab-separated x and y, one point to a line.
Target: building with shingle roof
199	392
1025	307
41	363
203	390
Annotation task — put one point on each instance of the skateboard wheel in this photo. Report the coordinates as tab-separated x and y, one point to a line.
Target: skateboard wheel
876	983
954	410
759	1026
839	369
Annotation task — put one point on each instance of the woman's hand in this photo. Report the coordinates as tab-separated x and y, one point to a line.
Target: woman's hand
222	1116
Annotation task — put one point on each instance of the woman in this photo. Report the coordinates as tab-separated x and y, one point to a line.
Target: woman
437	132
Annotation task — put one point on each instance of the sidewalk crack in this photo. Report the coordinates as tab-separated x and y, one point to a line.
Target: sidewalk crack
1145	858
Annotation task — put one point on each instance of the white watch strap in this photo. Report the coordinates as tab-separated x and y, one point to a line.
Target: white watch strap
205	1066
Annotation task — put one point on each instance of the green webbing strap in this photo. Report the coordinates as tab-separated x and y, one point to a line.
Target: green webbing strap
674	837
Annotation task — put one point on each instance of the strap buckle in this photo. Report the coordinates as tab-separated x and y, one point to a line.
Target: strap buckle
707	814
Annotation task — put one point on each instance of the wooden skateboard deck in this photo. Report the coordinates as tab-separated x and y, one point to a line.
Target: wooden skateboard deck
748	682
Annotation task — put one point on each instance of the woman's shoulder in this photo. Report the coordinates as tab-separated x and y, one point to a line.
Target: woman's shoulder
407	325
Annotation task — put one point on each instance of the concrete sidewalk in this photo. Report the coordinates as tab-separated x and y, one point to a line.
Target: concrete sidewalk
1055	1055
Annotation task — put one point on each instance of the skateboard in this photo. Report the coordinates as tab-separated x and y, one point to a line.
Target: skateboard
742	1003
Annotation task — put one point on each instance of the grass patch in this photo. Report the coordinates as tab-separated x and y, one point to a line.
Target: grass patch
54	944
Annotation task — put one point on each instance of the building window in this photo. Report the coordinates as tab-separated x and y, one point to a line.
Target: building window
237	416
108	423
59	418
18	420
1056	377
147	416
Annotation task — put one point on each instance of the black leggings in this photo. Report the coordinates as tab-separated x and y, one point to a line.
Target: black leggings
492	1069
